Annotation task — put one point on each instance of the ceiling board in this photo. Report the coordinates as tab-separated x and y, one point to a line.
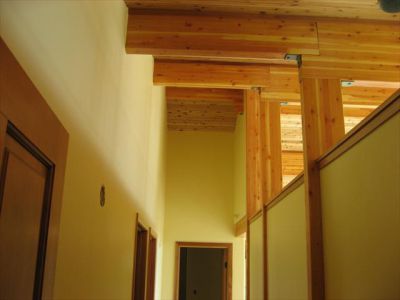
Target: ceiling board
203	109
355	9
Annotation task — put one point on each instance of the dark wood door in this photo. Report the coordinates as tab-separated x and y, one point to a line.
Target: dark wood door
33	147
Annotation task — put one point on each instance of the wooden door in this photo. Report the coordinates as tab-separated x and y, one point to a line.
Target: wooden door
33	148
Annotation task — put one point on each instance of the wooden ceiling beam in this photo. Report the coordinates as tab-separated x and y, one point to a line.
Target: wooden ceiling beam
354	95
219	75
366	9
355	50
330	48
356	112
219	36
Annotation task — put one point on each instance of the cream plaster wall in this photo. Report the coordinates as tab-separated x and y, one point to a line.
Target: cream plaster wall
199	200
361	218
287	249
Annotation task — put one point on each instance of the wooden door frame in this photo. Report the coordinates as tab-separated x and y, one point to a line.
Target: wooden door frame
225	246
22	105
151	265
139	224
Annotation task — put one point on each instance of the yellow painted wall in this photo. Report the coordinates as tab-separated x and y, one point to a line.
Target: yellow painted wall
361	218
74	53
239	169
287	252
256	259
199	200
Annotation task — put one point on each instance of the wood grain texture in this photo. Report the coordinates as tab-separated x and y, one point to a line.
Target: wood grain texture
312	151
201	109
273	153
238	37
356	50
253	153
366	9
210	74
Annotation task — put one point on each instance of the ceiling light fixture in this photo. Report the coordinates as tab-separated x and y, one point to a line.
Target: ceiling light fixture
390	6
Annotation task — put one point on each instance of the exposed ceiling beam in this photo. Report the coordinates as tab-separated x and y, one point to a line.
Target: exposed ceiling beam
220	75
232	37
356	50
357	94
365	9
330	48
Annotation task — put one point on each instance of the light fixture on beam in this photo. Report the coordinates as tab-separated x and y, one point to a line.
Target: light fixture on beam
390	6
347	83
294	57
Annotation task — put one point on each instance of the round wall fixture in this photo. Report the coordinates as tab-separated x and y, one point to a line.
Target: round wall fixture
102	195
390	6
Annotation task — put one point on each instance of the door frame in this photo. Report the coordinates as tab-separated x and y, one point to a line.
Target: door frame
227	294
22	105
139	226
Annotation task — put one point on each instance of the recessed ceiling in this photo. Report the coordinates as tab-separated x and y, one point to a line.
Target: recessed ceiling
356	9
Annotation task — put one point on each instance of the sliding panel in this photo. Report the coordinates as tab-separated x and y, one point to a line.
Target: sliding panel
361	218
256	263
287	249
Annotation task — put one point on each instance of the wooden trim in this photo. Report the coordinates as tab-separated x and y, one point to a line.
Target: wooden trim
151	265
257	215
228	248
139	224
293	185
383	113
241	226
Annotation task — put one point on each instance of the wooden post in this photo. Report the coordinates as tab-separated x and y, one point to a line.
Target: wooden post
254	172
273	155
323	126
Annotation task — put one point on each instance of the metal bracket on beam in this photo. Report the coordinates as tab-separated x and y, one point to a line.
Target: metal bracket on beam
296	57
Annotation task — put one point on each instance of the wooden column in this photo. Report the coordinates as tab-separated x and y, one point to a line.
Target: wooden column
273	155
254	171
323	126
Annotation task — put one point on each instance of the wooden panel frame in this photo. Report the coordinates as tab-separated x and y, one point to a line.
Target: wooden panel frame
18	94
228	247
